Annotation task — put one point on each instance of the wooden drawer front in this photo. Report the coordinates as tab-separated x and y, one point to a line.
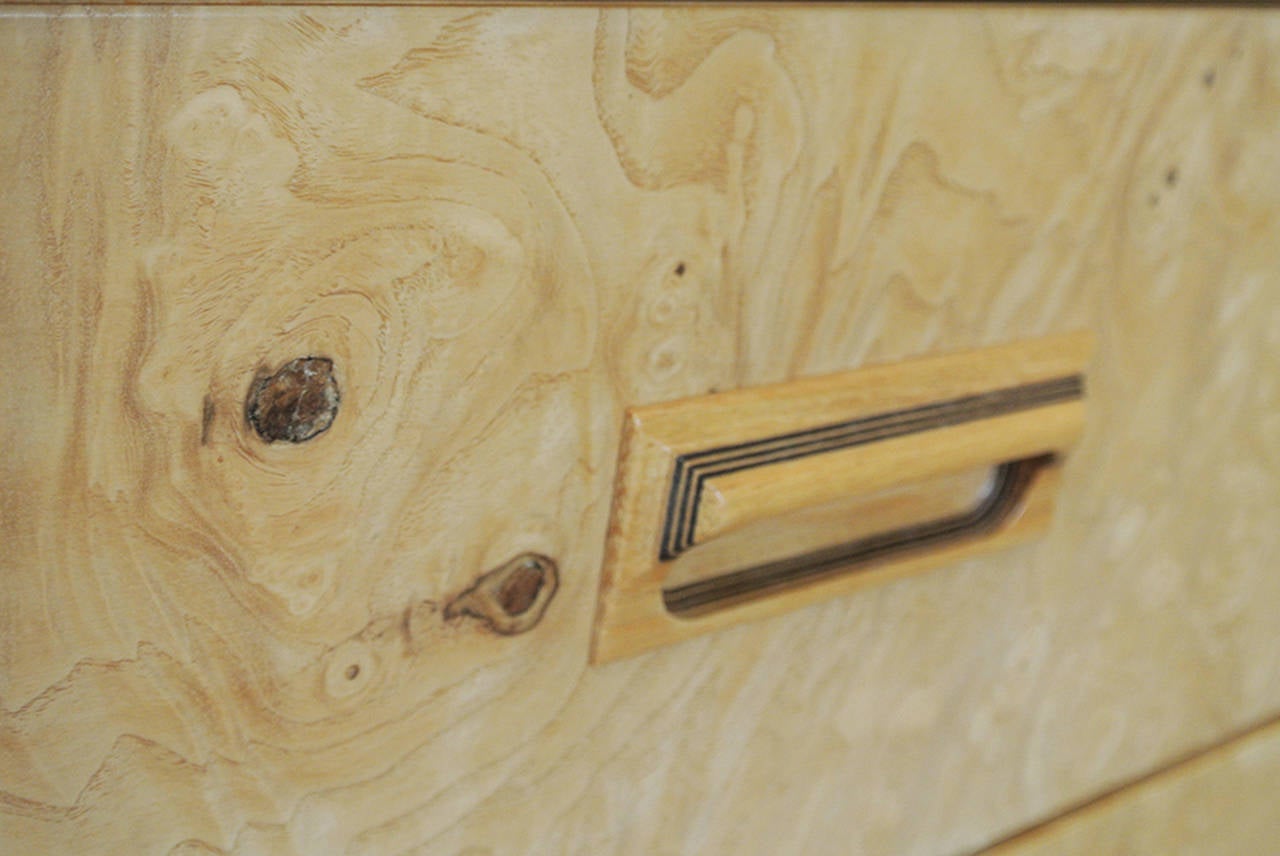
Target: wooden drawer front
500	228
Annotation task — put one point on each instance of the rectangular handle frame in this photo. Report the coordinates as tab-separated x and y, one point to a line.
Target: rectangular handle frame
692	471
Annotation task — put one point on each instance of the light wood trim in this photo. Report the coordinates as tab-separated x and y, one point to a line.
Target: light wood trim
741	415
755	454
734	500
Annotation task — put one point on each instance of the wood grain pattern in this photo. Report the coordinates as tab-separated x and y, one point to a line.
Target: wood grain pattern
503	227
1220	802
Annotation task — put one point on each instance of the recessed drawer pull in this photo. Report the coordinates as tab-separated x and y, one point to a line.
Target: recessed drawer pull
719	490
717	496
1009	484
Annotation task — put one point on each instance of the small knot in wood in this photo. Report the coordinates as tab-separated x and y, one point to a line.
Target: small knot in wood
512	598
296	403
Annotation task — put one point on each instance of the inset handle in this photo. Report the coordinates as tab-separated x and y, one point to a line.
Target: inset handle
1009	486
734	487
696	472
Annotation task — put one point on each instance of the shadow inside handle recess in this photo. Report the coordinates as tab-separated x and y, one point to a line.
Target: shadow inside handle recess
913	518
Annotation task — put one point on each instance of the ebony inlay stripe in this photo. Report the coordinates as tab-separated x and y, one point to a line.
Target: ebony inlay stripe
1011	482
693	469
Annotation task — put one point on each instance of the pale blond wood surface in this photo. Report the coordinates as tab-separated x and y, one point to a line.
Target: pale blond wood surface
503	227
1221	803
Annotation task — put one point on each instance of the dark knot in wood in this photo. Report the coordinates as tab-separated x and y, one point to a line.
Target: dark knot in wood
511	598
296	403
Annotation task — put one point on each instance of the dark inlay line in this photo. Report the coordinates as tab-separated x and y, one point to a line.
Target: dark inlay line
1011	482
699	472
1071	386
691	470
